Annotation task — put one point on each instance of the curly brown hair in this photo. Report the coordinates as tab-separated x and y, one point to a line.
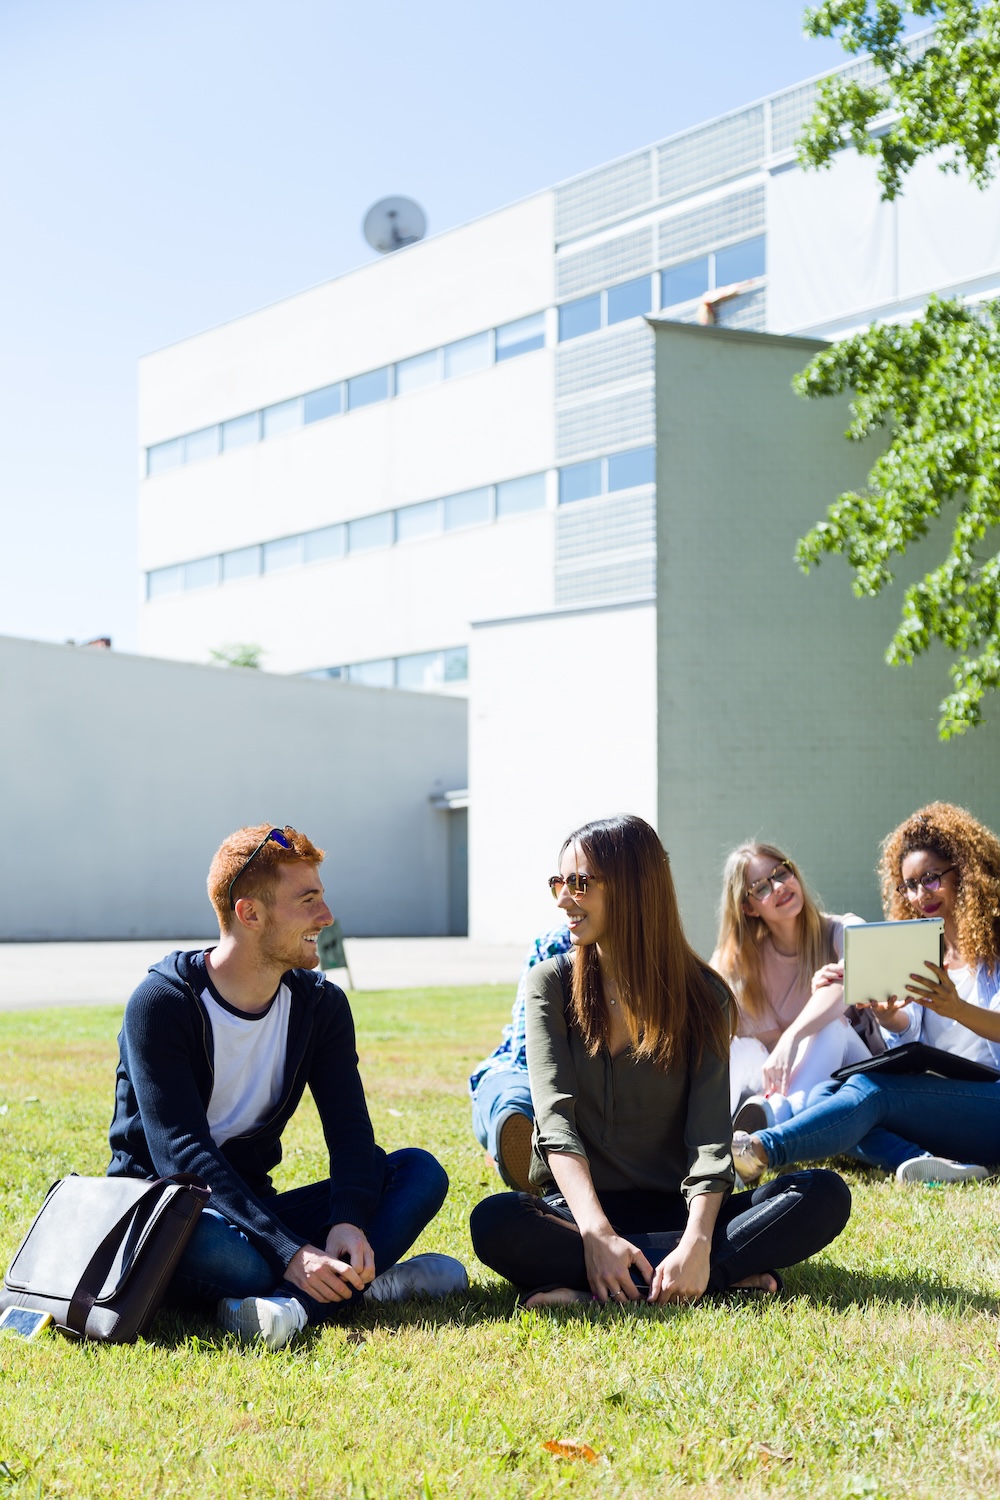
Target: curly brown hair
958	838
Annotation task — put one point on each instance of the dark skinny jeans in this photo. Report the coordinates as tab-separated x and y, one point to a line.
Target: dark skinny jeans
535	1242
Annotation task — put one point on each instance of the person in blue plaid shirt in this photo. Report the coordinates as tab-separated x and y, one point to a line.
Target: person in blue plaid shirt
502	1116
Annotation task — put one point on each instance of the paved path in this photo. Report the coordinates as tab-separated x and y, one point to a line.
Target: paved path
33	975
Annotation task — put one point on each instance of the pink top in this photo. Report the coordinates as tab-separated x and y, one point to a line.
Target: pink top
786	992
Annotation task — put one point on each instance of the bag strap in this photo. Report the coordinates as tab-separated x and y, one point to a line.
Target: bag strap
88	1288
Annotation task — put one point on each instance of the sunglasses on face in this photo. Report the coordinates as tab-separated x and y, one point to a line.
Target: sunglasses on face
929	882
280	837
763	890
575	884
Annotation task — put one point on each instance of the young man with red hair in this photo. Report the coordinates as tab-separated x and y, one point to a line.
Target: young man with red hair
216	1049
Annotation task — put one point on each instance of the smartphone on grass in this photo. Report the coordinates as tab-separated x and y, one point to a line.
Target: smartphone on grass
24	1322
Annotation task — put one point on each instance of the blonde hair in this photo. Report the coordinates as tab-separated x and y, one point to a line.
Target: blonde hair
956	838
737	954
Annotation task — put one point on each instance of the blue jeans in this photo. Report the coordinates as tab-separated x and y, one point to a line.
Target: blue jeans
500	1093
888	1120
221	1262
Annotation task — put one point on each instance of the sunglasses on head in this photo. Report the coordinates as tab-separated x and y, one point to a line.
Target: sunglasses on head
279	836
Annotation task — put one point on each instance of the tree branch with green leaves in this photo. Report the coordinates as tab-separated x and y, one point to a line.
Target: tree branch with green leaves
934	385
941	97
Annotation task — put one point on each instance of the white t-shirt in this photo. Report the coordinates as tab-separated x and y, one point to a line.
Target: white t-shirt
979	988
249	1063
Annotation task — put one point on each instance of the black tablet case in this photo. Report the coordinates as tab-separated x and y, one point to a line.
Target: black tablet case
917	1057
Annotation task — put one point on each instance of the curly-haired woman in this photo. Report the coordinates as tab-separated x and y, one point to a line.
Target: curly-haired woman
941	862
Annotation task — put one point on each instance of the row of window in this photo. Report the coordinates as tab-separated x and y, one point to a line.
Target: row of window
681	283
423	672
494	502
461	358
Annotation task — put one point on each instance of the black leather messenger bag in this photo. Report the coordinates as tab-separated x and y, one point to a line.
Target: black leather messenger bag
101	1251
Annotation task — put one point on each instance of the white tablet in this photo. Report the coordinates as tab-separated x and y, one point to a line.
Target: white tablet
879	957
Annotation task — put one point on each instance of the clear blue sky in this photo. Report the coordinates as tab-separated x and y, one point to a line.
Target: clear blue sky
170	164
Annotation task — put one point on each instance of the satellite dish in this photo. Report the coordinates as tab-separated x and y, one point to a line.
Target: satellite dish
392	223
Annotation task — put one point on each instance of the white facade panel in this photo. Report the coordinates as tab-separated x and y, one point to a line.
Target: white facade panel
949	231
457	435
492	271
831	245
562	729
411	597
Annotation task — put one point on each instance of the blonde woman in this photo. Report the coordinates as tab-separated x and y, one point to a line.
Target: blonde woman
779	953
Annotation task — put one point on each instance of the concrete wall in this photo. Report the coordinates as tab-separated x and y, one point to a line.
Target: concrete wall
562	729
777	714
120	777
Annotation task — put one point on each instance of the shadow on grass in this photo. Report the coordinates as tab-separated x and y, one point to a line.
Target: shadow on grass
830	1289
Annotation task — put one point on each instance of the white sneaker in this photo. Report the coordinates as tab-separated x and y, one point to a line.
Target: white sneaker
939	1169
755	1113
276	1320
420	1276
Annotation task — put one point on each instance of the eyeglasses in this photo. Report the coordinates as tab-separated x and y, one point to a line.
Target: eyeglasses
575	884
763	890
929	882
280	837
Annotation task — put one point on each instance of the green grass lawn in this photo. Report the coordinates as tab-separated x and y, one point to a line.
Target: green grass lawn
877	1376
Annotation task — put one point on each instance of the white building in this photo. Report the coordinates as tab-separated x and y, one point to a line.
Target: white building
437	472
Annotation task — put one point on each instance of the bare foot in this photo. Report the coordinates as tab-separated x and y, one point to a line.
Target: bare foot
559	1296
762	1282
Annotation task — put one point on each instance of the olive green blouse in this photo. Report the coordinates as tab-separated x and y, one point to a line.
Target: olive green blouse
637	1126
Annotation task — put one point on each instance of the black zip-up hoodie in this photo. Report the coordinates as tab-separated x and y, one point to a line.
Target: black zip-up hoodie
164	1083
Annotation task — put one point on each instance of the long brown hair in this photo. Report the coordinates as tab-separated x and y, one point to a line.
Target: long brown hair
737	954
672	1008
956	838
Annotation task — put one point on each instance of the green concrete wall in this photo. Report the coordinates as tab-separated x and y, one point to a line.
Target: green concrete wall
777	716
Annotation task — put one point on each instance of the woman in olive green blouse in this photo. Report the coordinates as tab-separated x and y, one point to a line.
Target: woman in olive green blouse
628	1045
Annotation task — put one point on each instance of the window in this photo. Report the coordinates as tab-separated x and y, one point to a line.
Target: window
163	581
626	470
740	262
370	531
164	456
365	390
243	563
576	318
282	418
684	282
326	673
201	574
240	431
327	542
472	508
319	405
520	337
373	673
456	664
419	520
633	299
413	374
468	355
420	673
515	496
580	481
286	552
203	444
